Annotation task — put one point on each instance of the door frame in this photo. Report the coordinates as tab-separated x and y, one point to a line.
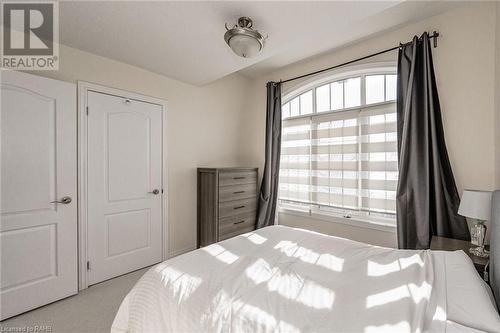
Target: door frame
83	89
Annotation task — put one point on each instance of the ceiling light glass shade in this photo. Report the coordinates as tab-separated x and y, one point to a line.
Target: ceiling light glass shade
244	46
243	40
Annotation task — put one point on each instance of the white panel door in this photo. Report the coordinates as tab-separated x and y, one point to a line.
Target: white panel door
124	185
38	237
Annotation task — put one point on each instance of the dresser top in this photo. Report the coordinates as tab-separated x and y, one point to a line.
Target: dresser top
229	169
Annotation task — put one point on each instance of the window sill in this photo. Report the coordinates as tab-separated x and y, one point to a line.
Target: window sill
357	221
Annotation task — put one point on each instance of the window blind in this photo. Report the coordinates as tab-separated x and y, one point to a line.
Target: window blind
345	160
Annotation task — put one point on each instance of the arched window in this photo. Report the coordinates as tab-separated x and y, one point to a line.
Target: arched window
339	144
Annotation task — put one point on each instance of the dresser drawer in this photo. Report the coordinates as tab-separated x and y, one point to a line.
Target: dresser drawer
235	192
237	223
237	207
237	177
235	233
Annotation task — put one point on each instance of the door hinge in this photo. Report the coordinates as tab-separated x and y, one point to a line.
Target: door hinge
87	110
88	265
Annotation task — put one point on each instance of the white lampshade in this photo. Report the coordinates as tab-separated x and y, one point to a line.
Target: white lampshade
476	204
245	46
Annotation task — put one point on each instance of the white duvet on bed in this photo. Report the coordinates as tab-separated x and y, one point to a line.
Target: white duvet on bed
280	279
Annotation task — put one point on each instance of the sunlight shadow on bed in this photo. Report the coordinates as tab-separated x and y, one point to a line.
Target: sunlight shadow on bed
225	310
315	296
255	238
309	293
220	253
180	283
260	271
388	296
440	314
376	269
417	293
325	260
291	286
268	283
257	315
402	326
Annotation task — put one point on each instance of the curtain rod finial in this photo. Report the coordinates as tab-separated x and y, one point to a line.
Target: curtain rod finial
435	34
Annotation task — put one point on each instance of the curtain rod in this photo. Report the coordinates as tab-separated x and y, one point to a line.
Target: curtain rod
434	36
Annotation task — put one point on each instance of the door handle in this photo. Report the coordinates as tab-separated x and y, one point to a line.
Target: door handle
64	200
155	191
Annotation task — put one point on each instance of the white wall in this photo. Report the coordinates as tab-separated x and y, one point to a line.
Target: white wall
203	126
465	69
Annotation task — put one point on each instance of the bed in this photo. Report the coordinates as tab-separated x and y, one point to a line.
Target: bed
281	279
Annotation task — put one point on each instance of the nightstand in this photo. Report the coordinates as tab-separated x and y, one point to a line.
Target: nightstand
450	244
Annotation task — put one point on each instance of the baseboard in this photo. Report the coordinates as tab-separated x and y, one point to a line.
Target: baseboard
181	251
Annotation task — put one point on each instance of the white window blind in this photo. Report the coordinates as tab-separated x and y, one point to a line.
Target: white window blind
342	160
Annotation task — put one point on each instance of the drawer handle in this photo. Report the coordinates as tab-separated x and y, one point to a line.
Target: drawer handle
239	222
239	207
238	177
238	192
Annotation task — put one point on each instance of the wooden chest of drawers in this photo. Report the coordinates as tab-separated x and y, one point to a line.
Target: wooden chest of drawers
227	203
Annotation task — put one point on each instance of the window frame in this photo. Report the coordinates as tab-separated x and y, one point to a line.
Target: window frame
373	71
381	222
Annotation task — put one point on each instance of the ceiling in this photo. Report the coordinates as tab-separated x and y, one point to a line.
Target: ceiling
184	40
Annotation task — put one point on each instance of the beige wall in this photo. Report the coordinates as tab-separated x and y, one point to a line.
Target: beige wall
465	69
223	123
497	101
202	122
326	226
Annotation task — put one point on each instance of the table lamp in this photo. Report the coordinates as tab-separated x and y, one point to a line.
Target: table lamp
477	205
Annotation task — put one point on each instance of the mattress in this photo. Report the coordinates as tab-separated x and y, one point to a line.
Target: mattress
281	279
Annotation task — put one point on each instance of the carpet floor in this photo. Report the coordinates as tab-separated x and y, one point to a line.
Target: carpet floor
91	310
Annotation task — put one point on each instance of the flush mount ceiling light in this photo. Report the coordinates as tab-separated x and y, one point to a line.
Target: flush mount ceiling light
243	40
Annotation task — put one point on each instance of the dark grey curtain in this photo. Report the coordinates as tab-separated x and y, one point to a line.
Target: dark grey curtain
427	198
268	196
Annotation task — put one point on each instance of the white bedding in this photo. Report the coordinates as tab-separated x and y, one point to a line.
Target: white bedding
280	279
